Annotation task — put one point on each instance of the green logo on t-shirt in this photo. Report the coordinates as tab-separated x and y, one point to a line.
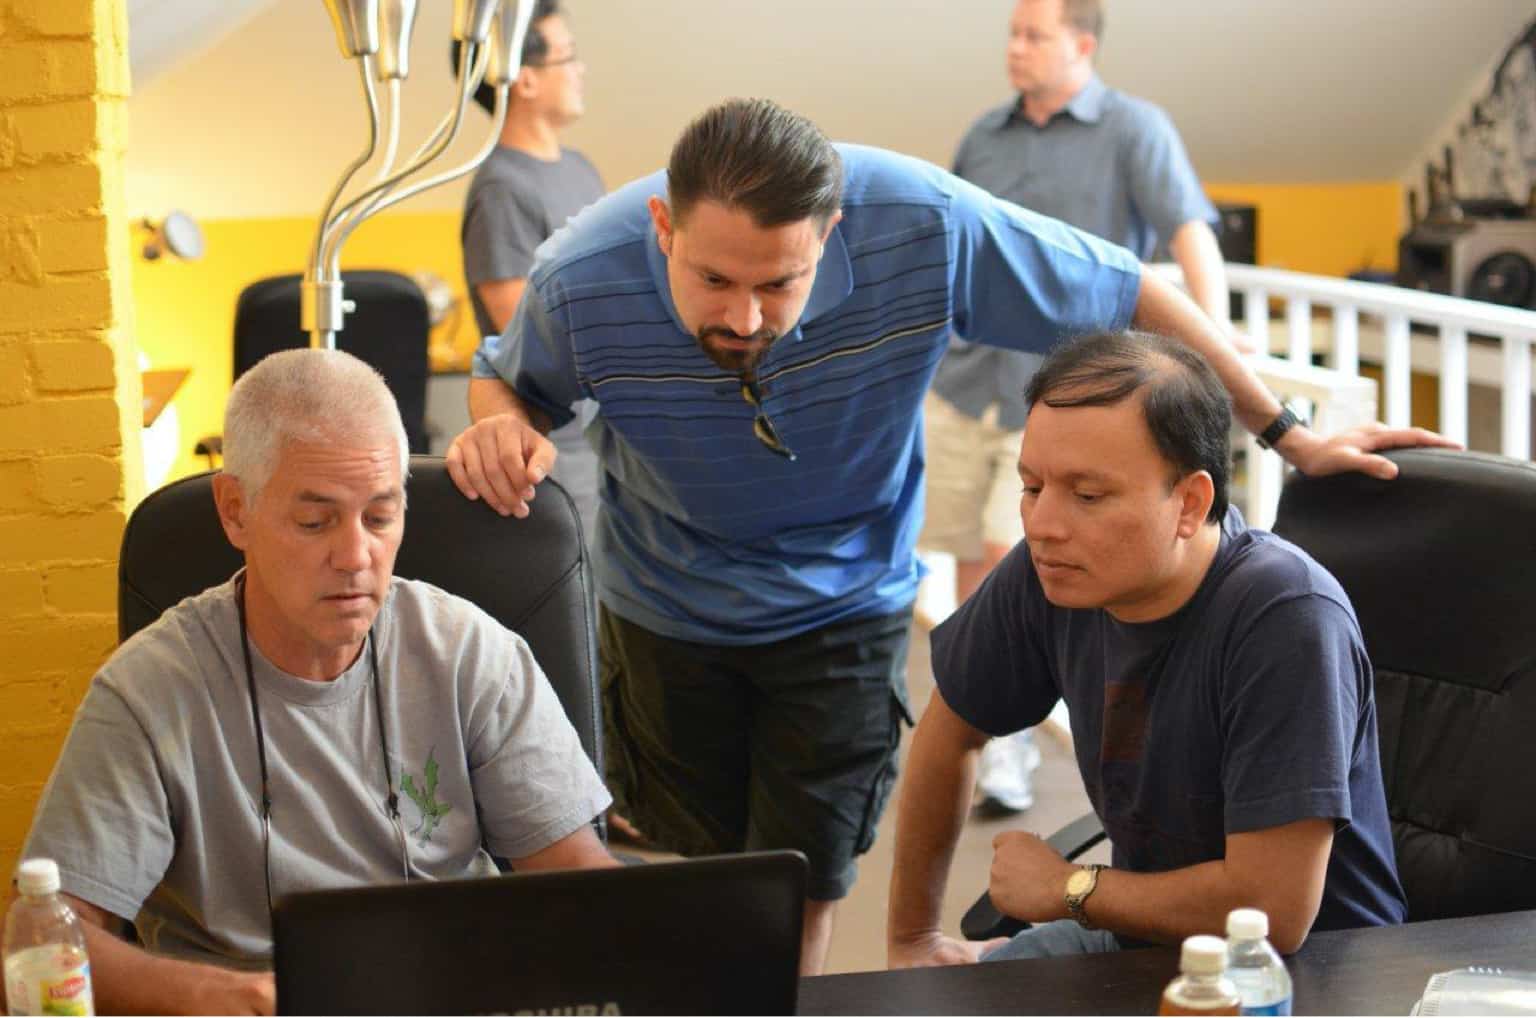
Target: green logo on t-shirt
425	798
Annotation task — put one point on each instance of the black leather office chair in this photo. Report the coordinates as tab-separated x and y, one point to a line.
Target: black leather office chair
1439	565
531	575
389	330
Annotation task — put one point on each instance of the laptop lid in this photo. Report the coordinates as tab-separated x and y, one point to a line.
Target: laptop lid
716	935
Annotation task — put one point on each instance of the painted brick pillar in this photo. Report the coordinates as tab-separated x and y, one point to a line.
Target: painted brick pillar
69	384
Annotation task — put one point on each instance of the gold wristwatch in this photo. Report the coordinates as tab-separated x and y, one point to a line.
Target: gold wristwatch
1079	886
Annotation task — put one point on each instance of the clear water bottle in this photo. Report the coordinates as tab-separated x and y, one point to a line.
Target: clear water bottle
1254	965
1202	987
46	969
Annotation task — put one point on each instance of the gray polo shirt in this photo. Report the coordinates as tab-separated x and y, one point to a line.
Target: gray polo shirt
1110	164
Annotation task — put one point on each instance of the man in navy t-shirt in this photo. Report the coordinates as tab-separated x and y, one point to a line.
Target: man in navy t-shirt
1218	686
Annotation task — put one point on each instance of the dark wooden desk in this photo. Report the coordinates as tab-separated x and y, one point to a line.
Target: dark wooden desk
1371	971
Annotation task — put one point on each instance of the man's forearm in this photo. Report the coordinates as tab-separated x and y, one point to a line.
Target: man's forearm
491	396
1163	309
930	814
126	979
1195	248
1169	906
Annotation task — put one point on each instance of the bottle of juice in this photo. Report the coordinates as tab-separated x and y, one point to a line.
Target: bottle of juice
1202	986
46	970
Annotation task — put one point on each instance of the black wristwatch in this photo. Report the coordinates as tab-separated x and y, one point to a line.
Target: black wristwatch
1278	427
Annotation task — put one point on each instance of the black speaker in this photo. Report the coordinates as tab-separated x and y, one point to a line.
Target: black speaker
1237	235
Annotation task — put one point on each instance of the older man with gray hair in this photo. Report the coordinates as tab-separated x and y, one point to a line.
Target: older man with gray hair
314	722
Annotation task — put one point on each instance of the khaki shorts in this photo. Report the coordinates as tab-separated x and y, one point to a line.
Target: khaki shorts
973	483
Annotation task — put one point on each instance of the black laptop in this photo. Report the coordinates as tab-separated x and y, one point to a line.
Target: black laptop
717	935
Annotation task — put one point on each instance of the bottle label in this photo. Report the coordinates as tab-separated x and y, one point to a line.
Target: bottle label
50	980
1278	1007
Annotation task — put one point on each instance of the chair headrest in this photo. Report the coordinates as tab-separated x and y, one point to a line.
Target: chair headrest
1438	562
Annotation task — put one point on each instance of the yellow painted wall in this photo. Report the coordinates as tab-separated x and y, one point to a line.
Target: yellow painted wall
69	388
186	310
1327	229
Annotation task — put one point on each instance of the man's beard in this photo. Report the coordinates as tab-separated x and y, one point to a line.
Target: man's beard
737	362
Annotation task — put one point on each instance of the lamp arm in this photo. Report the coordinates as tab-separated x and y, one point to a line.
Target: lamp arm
392	129
499	119
365	67
345	222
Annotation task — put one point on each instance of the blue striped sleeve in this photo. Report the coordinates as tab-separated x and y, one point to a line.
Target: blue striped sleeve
1025	281
535	358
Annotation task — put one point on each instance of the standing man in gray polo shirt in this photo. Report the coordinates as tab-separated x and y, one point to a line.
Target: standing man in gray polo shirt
1108	163
524	191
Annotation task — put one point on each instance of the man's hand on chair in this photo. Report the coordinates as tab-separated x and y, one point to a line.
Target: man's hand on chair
1354	449
500	459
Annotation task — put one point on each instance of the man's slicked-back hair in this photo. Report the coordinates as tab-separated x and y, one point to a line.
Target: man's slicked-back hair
305	395
755	156
1087	16
1186	408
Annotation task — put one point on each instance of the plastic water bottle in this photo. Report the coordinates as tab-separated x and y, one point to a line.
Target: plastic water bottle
46	969
1202	986
1255	966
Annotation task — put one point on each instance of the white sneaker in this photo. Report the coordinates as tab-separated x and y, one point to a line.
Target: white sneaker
1002	782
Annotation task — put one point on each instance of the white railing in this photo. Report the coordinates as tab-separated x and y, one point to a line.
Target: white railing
1467	343
1463	342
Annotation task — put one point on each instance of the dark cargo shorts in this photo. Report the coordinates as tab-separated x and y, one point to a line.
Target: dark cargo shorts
716	749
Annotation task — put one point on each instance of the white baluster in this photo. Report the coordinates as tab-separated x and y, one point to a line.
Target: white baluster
1298	324
1256	316
1266	473
1346	340
1517	398
1398	372
1453	383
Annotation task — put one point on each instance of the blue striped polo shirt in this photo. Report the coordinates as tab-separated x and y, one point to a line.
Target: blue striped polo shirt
705	534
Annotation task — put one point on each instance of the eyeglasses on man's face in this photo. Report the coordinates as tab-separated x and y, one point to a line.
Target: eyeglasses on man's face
569	58
762	427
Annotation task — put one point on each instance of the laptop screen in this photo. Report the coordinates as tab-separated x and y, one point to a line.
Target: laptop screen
717	935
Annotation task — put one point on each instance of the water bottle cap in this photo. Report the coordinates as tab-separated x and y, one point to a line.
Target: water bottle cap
1203	956
1247	924
38	876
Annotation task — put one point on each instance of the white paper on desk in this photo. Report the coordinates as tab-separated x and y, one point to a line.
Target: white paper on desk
1478	991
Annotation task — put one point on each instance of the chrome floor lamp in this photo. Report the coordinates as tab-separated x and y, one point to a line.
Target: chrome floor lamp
377	34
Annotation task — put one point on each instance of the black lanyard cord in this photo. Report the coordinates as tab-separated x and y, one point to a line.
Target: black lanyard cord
392	800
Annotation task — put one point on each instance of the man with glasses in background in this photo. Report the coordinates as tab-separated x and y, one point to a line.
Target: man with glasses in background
525	190
314	722
758	326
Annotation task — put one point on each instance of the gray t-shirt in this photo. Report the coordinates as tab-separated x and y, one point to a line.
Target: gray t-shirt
1110	164
515	202
152	811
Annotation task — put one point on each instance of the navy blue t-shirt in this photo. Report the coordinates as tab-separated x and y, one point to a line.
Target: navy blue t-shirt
1248	708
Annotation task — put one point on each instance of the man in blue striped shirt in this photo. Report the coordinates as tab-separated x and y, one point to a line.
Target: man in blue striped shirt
757	326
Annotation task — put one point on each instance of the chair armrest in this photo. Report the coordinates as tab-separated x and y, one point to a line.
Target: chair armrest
1078	836
983	921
